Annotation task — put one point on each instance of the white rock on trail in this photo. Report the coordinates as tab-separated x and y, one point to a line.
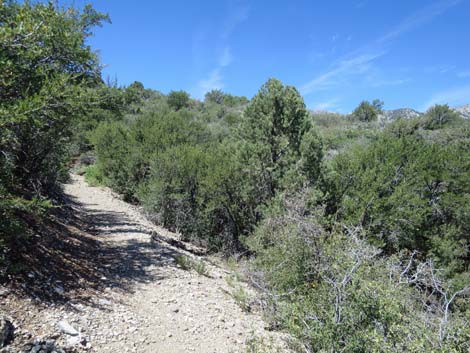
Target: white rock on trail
66	328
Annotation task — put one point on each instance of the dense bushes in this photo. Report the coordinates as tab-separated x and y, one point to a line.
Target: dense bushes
335	292
345	248
370	251
46	72
440	116
359	233
212	180
374	257
410	191
205	175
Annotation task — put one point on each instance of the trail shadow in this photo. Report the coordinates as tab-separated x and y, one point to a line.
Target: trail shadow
69	260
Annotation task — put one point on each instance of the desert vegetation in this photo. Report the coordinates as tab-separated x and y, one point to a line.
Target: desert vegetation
356	230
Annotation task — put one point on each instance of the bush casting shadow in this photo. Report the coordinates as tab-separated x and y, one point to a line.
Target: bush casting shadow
69	259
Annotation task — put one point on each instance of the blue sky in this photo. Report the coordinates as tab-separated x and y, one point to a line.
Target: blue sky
408	53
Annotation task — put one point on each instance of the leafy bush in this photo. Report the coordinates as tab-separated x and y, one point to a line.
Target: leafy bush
207	177
178	100
93	176
274	124
334	291
409	192
367	111
439	116
47	72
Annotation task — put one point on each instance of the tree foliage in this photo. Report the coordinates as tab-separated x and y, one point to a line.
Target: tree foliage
367	111
336	292
178	100
46	70
439	116
411	192
197	172
272	130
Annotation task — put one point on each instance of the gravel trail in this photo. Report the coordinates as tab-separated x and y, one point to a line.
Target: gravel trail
147	304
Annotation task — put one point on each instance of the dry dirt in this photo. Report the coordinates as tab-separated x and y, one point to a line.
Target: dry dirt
141	300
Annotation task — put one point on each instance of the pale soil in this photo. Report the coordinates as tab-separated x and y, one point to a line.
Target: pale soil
148	303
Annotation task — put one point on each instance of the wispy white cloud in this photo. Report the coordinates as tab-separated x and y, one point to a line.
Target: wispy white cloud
342	71
378	82
447	69
418	19
361	60
463	74
440	69
454	97
225	58
238	13
213	81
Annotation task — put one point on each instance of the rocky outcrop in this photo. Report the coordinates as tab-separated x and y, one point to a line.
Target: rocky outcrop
405	113
464	111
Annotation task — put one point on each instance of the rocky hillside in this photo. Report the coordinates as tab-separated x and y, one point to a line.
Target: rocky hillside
407	113
464	111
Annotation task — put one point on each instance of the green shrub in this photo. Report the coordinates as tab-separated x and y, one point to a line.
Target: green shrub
93	176
367	111
186	263
239	293
409	192
334	291
206	177
178	100
47	74
439	116
201	268
183	262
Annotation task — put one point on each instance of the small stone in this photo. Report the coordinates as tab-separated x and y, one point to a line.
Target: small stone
4	292
36	349
73	341
50	345
59	290
104	302
66	328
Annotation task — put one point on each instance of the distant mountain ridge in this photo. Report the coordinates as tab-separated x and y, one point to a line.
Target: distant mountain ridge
409	113
406	113
464	111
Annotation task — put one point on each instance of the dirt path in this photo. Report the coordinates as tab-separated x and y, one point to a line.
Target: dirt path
147	303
